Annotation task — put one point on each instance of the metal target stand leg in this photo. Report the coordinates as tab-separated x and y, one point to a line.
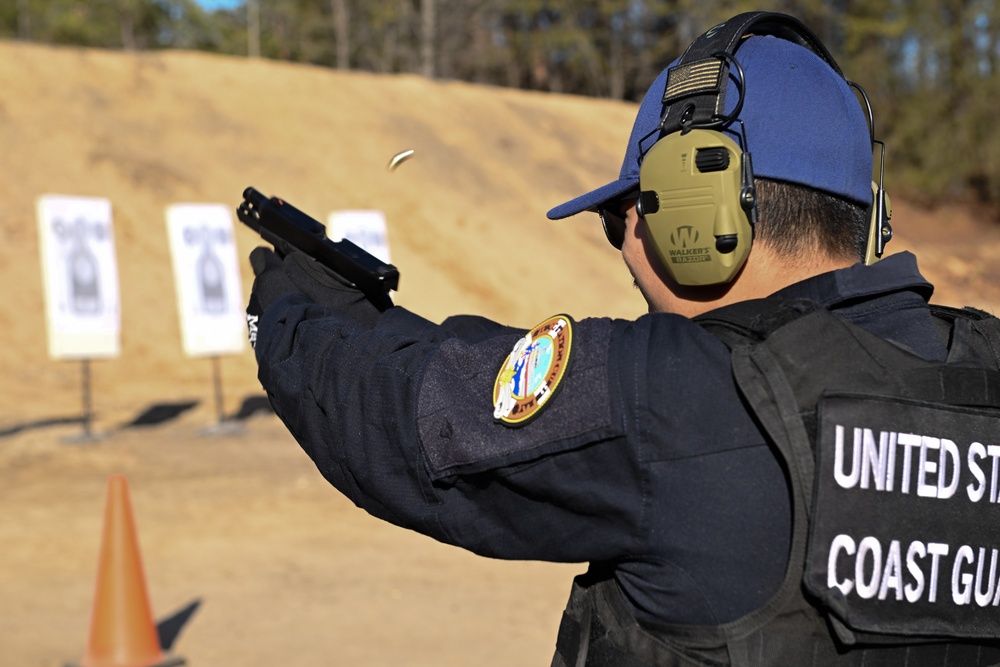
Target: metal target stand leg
223	425
88	405
87	435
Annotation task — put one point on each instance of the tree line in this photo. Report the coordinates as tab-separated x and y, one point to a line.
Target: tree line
929	66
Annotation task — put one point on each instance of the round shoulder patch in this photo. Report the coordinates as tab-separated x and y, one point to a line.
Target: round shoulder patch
532	372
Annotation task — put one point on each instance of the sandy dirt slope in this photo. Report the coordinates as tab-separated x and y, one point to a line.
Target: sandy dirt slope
288	571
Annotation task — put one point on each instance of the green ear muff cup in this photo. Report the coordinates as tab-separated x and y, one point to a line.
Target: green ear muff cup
700	230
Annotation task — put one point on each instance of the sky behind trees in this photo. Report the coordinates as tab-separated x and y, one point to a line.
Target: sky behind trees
212	5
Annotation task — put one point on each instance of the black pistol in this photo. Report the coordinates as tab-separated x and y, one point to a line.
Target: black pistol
287	228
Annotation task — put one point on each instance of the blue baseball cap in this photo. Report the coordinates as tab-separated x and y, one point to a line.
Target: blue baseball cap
804	124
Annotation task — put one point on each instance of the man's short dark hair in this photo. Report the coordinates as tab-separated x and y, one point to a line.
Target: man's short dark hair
797	219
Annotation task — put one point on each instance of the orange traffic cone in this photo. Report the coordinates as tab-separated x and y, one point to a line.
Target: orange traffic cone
122	631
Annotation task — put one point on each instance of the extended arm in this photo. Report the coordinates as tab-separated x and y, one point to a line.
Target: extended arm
399	417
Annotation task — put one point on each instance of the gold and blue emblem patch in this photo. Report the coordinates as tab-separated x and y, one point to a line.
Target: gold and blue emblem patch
532	372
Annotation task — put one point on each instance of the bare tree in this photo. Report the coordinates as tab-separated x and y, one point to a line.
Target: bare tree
341	31
23	20
253	28
428	37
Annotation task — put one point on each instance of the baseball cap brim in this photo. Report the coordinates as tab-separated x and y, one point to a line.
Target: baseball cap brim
643	136
593	199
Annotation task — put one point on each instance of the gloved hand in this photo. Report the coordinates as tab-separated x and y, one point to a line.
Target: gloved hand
270	281
299	273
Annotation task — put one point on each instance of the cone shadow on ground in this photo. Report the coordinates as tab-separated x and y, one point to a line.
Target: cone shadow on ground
168	629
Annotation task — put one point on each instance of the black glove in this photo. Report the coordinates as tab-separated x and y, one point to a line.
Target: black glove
270	281
299	273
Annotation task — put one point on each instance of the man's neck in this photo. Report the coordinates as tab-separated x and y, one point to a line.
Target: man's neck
764	273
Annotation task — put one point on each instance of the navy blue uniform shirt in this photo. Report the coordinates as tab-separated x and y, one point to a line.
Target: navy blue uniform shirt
645	460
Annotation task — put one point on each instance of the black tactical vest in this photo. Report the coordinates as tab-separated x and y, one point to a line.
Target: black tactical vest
894	471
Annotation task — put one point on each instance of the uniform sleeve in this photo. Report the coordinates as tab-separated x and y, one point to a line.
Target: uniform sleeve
400	418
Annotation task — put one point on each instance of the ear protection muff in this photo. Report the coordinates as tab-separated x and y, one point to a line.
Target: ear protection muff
698	202
696	183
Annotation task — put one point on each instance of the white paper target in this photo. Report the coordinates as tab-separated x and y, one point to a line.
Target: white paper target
207	279
80	274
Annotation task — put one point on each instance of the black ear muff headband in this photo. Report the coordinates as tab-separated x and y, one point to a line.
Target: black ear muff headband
701	76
